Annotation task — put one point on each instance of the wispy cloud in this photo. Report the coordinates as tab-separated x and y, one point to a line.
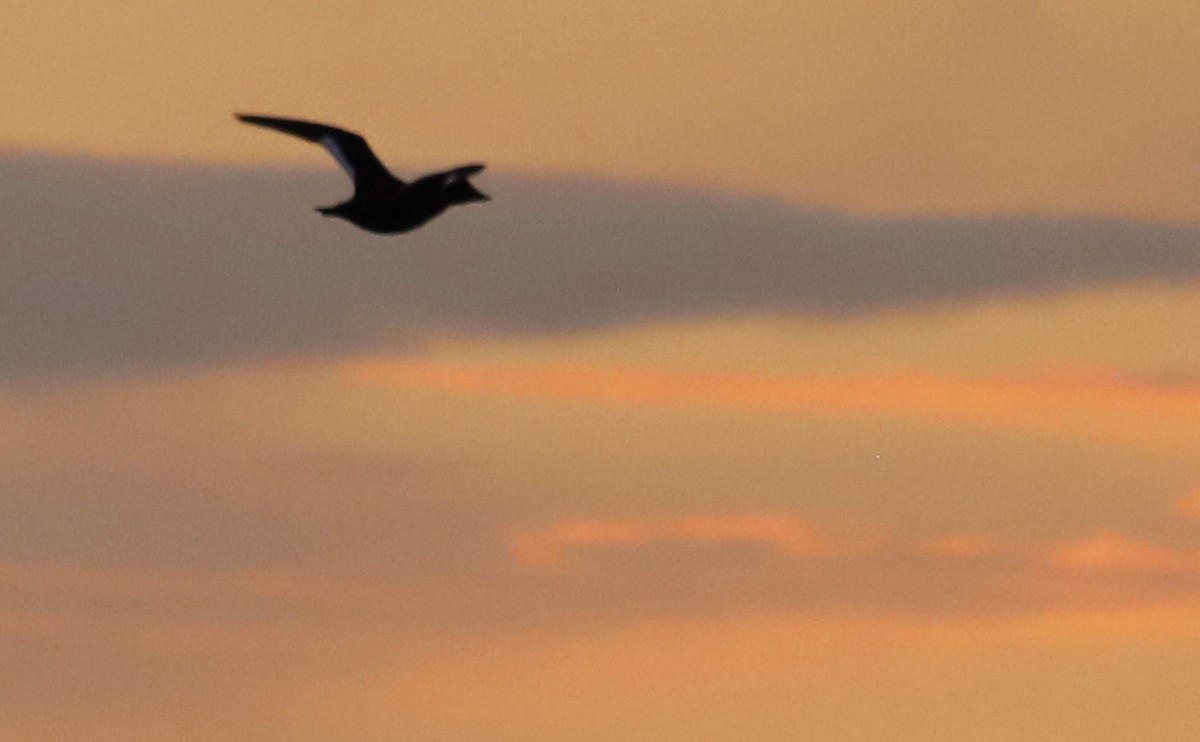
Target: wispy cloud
793	538
816	565
1189	507
592	570
1116	552
1097	407
544	548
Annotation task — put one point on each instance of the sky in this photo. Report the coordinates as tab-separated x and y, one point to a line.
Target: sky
818	370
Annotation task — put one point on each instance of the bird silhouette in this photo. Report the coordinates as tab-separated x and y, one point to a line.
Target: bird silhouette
382	203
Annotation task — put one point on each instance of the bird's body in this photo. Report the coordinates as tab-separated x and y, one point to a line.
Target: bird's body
382	203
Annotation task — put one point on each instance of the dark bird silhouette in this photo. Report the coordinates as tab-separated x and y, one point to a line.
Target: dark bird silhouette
382	203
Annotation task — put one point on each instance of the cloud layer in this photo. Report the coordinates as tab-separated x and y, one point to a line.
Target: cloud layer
1146	414
110	265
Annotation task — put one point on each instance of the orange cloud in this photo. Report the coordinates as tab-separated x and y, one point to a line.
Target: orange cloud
1116	552
1054	571
1091	406
1189	507
851	572
786	534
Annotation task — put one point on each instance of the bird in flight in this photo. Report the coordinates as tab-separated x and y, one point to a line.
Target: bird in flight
382	203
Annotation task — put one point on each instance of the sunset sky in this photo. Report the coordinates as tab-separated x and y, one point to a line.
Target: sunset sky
825	371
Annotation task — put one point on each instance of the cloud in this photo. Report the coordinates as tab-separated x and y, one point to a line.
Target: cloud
543	548
111	265
856	571
1117	552
1189	507
1094	407
794	539
593	571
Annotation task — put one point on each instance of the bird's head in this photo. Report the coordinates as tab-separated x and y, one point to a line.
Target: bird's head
459	189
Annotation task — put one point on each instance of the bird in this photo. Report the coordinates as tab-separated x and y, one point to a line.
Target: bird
382	203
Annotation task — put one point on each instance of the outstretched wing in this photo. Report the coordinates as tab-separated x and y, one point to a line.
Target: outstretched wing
349	149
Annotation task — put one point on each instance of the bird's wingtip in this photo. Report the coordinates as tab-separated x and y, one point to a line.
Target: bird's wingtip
253	118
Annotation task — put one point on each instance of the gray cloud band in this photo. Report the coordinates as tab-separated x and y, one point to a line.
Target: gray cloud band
106	266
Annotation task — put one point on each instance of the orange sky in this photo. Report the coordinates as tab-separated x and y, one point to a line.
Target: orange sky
1093	406
926	106
265	478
